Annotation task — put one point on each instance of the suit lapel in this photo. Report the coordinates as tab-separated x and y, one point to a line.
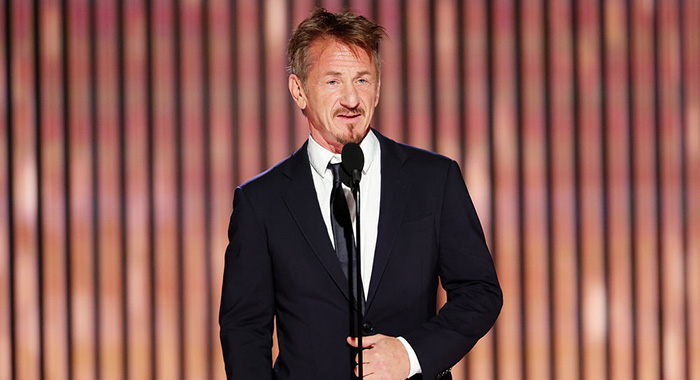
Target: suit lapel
395	190
300	197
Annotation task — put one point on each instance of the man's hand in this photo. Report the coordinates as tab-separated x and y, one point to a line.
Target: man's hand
384	358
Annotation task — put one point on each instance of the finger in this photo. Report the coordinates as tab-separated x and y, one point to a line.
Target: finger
371	340
365	360
365	372
353	341
366	343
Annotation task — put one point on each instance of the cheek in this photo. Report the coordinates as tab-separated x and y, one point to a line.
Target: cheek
370	97
322	103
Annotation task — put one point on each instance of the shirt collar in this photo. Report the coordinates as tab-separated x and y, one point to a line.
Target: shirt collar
320	157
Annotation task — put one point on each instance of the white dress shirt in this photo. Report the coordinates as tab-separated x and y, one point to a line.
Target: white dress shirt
370	194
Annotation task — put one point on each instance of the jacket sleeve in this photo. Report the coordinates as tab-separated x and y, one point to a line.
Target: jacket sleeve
247	297
467	273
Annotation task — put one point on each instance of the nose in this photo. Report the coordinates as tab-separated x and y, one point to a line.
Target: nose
350	98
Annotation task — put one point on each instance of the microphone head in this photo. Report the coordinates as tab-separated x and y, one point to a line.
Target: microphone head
352	162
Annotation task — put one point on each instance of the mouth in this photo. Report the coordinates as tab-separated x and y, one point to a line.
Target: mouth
352	116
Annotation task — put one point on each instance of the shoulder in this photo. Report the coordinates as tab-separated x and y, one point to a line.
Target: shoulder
274	179
412	158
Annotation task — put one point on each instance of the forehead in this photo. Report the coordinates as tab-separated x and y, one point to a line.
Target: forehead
332	55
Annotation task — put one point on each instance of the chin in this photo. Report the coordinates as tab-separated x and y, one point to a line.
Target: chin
354	136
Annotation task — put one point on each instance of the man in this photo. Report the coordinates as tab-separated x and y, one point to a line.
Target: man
285	259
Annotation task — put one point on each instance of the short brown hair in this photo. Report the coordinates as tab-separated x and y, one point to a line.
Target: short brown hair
347	28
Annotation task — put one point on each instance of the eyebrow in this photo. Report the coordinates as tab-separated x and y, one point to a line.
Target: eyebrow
337	73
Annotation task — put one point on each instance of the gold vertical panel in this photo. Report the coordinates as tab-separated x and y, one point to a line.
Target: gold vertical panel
507	239
23	158
593	302
477	150
645	208
275	35
447	80
80	191
195	318
565	288
167	318
6	354
535	265
418	65
389	113
671	239
249	68
109	252
617	168
137	270
54	137
691	147
221	156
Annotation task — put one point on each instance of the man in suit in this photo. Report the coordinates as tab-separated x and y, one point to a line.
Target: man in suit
419	228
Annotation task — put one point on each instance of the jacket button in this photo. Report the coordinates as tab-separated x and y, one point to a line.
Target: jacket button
367	328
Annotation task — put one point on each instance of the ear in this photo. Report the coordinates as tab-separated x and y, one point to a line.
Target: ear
296	88
379	87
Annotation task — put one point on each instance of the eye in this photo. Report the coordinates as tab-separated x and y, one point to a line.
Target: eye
332	82
362	81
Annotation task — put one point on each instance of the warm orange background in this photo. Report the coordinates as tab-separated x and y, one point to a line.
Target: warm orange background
126	125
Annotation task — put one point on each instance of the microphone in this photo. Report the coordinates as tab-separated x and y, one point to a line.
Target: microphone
352	162
350	174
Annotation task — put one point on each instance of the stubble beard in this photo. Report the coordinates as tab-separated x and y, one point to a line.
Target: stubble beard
354	136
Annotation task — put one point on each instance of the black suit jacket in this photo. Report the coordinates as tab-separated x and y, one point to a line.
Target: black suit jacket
280	263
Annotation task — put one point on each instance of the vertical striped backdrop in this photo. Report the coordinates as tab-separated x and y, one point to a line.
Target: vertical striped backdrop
125	126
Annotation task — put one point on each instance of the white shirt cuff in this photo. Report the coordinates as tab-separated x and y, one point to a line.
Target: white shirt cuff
413	359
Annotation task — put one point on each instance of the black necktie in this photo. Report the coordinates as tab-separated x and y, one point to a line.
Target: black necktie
340	219
343	236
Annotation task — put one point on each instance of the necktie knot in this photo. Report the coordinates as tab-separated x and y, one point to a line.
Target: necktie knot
335	169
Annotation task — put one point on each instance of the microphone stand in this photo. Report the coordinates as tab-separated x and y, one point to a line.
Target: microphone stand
358	271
